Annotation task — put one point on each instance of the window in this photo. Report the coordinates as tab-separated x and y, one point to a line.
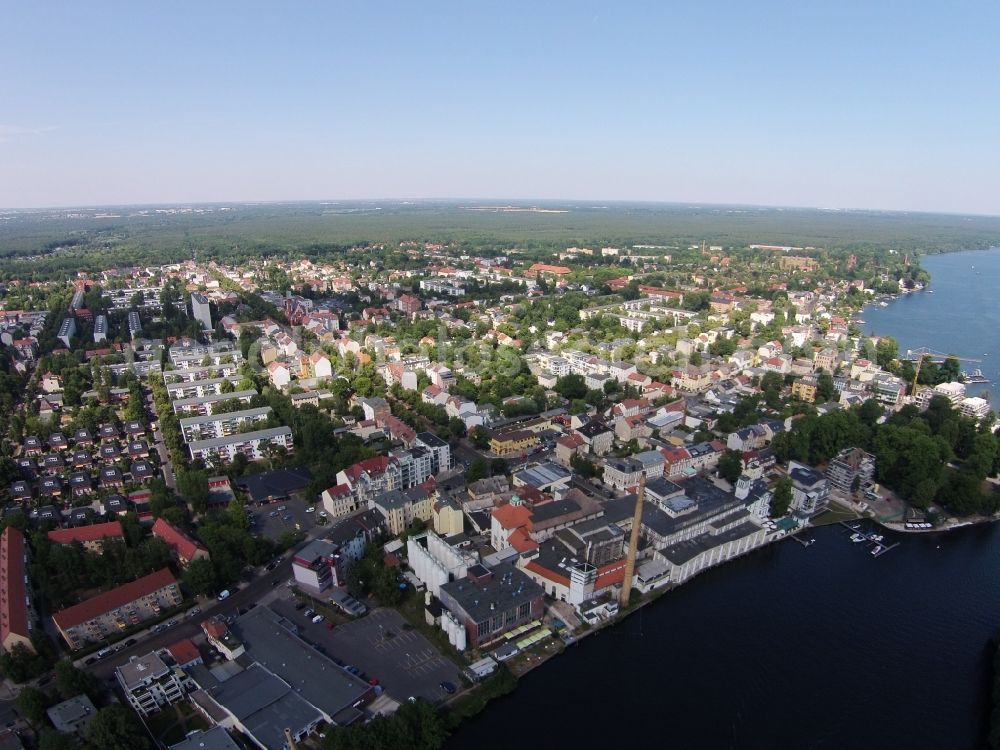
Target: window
524	611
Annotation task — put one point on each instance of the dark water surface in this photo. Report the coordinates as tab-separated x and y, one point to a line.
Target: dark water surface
791	647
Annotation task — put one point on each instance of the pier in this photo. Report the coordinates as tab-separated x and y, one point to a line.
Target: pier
879	547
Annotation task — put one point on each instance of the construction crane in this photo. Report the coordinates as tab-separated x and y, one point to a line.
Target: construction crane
633	544
919	355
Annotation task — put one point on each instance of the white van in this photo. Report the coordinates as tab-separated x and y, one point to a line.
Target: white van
223	595
104	652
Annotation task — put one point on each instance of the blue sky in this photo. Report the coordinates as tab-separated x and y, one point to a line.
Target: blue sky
839	104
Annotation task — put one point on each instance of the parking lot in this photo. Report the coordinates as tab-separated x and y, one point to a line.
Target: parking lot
272	521
403	661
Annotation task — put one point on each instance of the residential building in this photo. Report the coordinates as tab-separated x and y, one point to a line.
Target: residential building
319	565
201	311
402	507
279	374
415	466
220	638
810	490
805	388
207	426
370	477
622	473
183	546
16	617
67	330
849	466
130	604
149	684
100	329
512	442
449	519
439	449
254	445
204	405
73	715
339	501
92	537
598	437
198	388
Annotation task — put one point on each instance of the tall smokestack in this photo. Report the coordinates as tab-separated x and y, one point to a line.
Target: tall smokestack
633	543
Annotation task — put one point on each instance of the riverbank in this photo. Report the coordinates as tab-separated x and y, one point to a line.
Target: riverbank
830	622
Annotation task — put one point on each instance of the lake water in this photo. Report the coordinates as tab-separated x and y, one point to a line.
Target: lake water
959	313
791	647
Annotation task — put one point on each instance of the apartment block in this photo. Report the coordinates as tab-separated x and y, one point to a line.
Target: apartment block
251	444
220	425
96	618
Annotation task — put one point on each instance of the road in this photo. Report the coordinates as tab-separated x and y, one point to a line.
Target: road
161	449
190	626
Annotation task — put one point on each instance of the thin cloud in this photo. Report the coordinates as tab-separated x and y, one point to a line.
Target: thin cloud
10	132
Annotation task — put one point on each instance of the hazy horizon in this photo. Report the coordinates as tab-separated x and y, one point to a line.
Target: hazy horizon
858	106
480	202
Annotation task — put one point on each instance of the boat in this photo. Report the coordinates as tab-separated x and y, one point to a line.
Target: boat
976	376
856	538
883	304
877	550
877	537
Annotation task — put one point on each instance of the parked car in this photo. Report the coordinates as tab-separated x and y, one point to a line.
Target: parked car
318	619
311	509
448	687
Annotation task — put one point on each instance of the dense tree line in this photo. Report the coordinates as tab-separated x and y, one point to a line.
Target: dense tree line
60	571
935	455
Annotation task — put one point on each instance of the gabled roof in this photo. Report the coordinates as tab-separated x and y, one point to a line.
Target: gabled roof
13	595
93	533
183	545
118	597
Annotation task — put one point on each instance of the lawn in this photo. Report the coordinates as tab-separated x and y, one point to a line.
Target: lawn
173	723
834	515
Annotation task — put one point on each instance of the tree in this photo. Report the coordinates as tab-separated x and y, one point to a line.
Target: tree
477	470
824	387
571	386
498	466
50	739
71	681
781	500
456	427
199	576
31	704
117	728
193	487
730	466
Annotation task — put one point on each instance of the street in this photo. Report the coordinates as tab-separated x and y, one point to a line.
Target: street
190	626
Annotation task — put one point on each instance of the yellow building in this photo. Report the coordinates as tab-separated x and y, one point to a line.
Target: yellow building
805	389
448	517
510	443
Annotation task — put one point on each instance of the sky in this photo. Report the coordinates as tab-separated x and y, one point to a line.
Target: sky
882	105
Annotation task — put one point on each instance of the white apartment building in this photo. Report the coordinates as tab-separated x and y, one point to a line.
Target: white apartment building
253	445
